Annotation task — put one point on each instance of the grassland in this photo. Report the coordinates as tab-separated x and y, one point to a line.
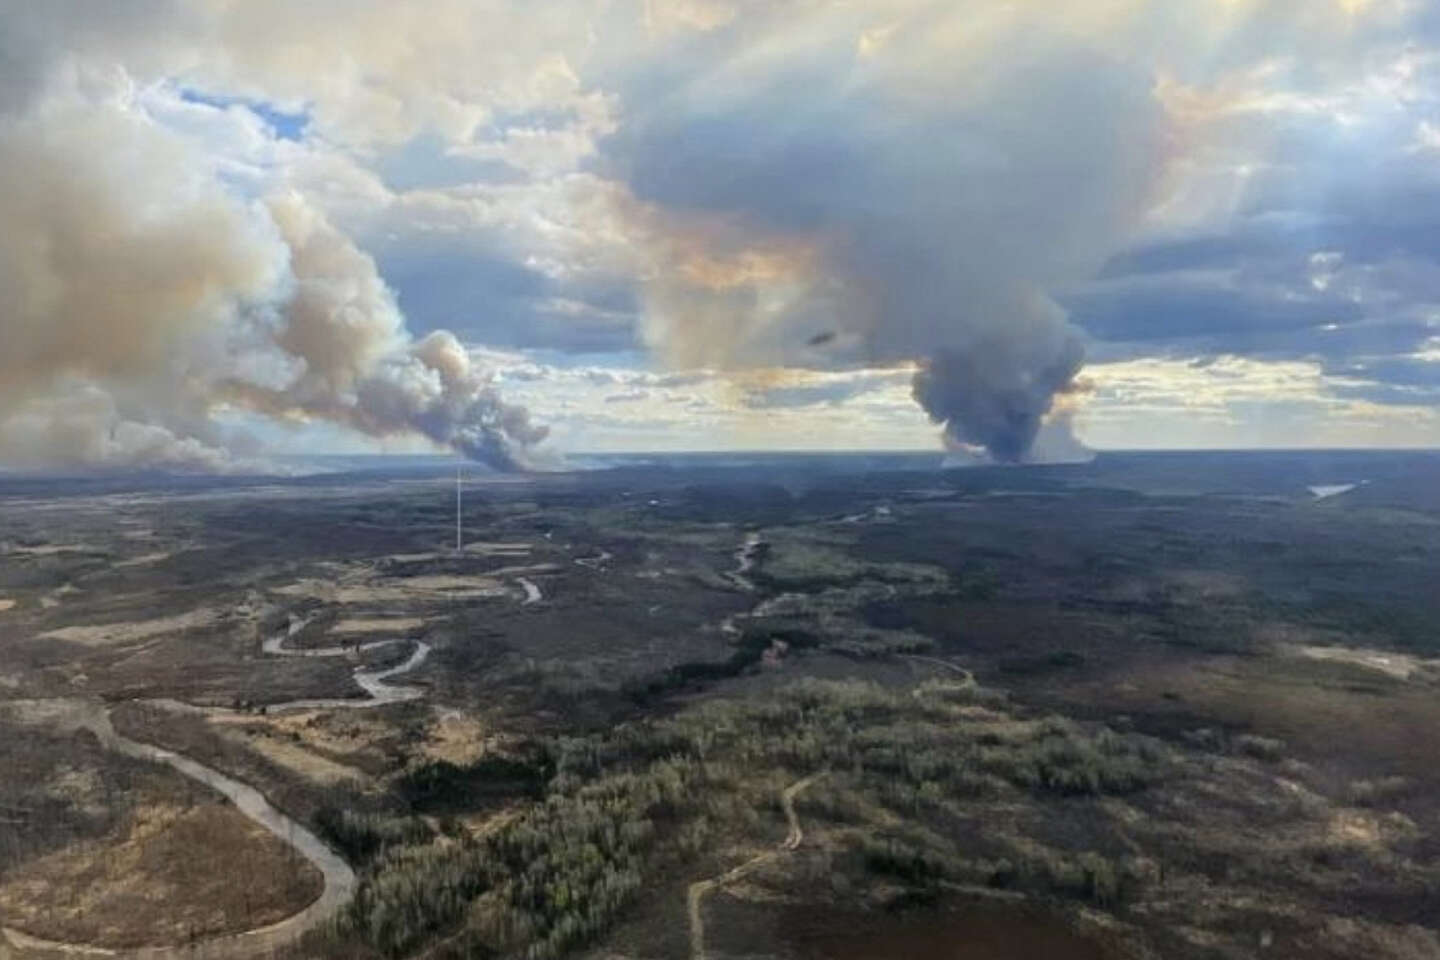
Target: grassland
101	849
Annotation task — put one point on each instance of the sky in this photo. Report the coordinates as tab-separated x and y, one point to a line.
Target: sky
243	228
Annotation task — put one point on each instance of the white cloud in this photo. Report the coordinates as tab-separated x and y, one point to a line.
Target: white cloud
1237	402
558	181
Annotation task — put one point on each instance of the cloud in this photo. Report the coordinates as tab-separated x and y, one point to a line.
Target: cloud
809	390
1229	401
977	190
1303	224
1213	307
810	203
145	295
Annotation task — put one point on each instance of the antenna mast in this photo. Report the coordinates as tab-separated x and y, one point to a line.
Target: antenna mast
457	510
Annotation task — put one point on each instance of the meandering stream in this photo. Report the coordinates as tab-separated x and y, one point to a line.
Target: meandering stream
339	878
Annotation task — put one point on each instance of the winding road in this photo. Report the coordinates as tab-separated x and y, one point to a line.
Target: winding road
695	896
339	878
967	678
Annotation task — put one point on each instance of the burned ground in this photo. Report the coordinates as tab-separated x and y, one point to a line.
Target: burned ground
1175	705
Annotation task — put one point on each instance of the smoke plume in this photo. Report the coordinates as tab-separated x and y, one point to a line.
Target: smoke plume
988	396
354	363
851	193
149	305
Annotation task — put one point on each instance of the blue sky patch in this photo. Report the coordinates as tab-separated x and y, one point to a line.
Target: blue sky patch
285	125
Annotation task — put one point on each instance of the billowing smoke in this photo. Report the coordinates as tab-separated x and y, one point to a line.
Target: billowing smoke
903	184
996	395
354	363
150	306
844	191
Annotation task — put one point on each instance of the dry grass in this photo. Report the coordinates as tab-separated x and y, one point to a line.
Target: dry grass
1199	586
292	756
50	549
152	878
108	634
158	883
354	740
378	625
455	738
395	590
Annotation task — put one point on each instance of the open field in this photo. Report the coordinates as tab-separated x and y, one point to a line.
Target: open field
100	848
1168	706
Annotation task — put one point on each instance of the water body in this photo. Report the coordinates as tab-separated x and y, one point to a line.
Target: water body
373	682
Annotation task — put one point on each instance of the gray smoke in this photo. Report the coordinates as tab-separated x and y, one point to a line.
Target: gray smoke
986	397
357	365
916	197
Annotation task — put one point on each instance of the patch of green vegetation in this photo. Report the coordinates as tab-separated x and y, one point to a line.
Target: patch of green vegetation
749	650
624	803
360	837
854	639
1379	790
792	563
1261	748
439	785
1060	758
1249	744
795	564
926	861
1390	619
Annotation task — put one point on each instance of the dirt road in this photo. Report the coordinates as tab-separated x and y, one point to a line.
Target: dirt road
695	896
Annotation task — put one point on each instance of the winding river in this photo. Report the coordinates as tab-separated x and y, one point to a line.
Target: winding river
373	682
339	878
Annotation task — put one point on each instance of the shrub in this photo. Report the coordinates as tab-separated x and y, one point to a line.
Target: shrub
361	836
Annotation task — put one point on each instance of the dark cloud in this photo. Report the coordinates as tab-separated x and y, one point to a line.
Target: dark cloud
824	186
1407	381
1206	307
1366	322
918	198
1400	371
494	299
1331	257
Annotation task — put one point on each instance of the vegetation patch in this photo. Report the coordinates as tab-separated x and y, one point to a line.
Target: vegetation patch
655	795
